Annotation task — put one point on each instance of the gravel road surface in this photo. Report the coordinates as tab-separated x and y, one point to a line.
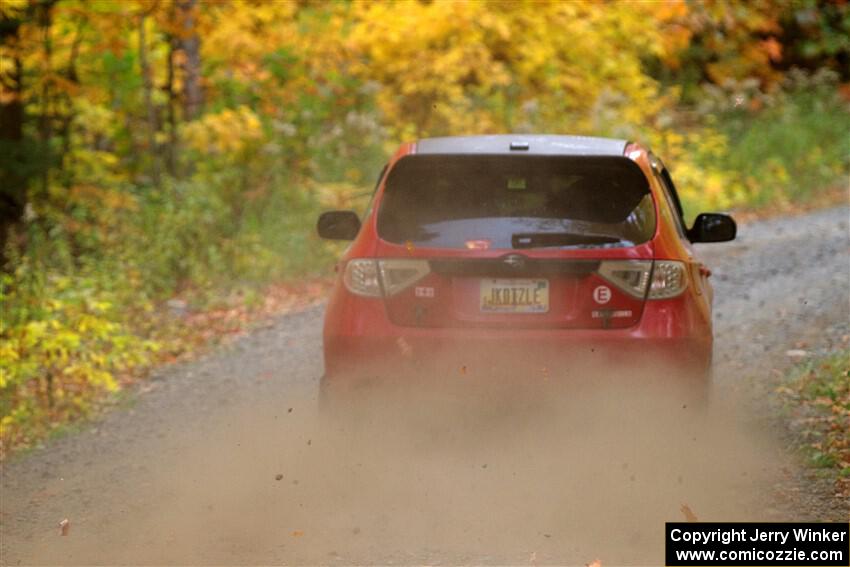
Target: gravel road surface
224	460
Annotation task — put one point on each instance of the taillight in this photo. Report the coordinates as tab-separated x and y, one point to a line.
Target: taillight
374	278
668	277
631	276
361	277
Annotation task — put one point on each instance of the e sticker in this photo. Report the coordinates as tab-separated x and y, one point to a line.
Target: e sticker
602	294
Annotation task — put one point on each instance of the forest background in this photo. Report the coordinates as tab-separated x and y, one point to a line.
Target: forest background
167	158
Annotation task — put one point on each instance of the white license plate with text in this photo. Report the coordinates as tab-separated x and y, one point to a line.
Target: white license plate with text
514	295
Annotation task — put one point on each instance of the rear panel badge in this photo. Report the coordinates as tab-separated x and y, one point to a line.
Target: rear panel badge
514	261
424	291
602	294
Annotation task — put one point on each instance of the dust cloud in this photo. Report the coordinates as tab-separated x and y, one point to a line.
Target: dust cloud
533	469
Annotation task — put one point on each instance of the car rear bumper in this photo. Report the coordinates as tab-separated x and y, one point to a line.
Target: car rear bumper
670	337
524	349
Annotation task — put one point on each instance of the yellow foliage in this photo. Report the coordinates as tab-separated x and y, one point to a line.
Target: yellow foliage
690	156
13	8
455	67
229	132
71	349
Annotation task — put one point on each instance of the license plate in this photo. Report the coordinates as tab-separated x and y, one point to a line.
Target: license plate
514	296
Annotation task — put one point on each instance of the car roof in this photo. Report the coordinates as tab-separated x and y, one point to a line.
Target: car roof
523	144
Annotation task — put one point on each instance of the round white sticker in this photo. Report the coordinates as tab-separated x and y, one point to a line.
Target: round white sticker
602	294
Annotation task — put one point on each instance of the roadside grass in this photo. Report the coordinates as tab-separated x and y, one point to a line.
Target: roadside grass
817	394
791	154
96	302
829	197
791	151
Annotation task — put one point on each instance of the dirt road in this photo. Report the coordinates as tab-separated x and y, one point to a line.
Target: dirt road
223	460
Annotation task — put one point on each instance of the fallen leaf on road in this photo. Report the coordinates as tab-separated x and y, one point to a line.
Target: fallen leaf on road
297	533
594	563
689	514
64	527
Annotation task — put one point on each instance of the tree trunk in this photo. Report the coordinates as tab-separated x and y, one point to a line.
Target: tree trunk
65	130
171	150
13	181
45	127
148	97
190	43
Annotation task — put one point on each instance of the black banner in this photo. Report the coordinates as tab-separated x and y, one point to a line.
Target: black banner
762	544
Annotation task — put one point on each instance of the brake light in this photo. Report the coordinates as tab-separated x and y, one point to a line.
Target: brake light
478	244
668	277
375	278
361	278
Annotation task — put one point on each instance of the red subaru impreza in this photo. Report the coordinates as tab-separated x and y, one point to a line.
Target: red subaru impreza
530	254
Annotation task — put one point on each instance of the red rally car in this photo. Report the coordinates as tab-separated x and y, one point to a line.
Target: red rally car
538	249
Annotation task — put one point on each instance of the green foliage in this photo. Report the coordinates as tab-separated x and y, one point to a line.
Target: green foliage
795	144
82	300
61	343
818	392
748	149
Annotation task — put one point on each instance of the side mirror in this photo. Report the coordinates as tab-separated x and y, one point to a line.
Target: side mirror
713	227
338	225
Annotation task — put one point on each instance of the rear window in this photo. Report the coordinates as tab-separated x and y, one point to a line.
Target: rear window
475	201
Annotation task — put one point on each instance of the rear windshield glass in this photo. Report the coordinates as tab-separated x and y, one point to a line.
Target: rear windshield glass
477	201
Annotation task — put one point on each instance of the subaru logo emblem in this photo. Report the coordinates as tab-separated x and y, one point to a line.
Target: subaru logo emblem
514	261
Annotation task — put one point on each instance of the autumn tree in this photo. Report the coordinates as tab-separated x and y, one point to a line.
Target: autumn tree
471	67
